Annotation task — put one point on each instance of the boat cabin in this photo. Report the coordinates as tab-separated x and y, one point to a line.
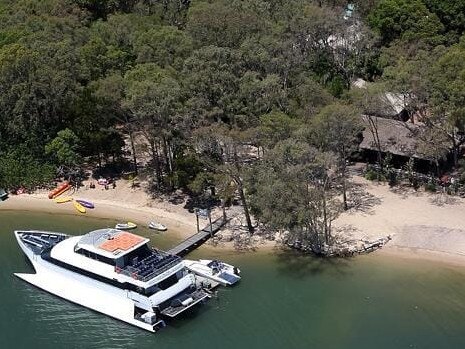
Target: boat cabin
128	253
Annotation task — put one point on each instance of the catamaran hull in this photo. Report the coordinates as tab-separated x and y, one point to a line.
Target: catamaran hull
82	290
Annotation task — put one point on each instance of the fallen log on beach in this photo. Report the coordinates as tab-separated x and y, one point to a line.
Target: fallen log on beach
341	249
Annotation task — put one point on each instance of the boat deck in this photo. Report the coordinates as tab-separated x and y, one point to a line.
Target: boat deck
149	267
41	241
175	309
205	283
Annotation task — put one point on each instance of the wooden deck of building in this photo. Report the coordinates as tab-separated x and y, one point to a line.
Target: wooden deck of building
198	238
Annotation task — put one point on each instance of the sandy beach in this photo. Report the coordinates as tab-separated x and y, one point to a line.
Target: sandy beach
421	225
122	204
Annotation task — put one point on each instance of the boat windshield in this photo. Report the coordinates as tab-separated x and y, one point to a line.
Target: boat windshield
229	277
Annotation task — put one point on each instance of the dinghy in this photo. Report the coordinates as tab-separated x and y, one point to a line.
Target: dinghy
79	207
157	226
63	199
86	204
126	226
225	274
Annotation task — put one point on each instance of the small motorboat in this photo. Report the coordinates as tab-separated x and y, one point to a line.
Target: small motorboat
157	226
86	204
79	207
63	199
126	226
225	274
3	194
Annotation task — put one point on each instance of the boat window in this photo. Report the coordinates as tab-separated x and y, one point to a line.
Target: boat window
168	282
151	290
95	256
163	285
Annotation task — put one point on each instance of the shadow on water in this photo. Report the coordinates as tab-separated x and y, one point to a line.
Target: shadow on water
298	265
190	315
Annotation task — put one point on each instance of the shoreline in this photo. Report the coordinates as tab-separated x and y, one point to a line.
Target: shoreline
104	209
421	254
135	205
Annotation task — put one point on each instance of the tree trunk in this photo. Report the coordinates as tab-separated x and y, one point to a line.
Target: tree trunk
133	149
325	218
238	181
223	208
245	206
156	161
344	193
455	150
374	133
344	175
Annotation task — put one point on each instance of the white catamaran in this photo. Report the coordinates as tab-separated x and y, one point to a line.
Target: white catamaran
113	272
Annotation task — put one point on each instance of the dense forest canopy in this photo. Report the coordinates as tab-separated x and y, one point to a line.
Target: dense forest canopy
222	92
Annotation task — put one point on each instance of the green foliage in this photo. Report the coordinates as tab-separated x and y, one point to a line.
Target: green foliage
164	46
275	127
371	175
451	13
405	19
431	187
208	88
228	27
187	173
64	148
447	84
20	169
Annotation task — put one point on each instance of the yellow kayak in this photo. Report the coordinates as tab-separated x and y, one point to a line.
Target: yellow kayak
63	199
79	207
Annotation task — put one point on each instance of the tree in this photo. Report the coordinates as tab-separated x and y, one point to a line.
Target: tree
447	97
275	127
407	20
337	129
452	15
20	169
64	148
228	27
164	46
102	8
153	96
109	94
223	151
292	189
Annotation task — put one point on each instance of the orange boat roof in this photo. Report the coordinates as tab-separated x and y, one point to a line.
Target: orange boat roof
122	241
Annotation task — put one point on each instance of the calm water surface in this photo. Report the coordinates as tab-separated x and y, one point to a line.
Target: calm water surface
284	301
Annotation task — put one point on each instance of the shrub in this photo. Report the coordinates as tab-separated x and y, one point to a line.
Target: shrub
431	187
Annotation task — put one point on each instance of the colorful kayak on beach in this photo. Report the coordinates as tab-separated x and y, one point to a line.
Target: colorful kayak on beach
79	207
59	190
63	199
86	204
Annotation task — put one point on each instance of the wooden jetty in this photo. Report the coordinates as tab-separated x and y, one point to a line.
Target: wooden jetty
197	239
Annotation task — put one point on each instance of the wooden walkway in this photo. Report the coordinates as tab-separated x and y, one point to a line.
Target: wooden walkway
197	239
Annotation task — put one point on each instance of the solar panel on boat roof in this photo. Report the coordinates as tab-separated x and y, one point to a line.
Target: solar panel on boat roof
122	241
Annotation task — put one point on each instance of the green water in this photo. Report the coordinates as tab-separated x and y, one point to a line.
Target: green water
284	301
